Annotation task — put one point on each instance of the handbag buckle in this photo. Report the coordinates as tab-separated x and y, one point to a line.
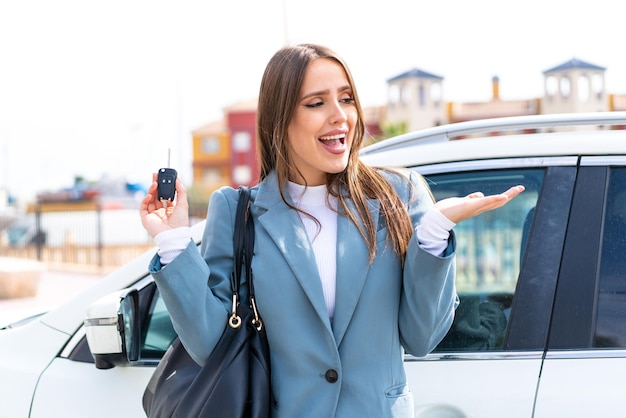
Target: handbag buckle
257	322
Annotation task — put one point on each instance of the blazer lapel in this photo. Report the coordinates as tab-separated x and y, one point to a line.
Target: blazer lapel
286	230
352	269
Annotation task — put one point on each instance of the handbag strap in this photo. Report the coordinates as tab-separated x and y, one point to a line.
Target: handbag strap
239	237
243	247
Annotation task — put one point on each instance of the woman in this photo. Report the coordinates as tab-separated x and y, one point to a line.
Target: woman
343	282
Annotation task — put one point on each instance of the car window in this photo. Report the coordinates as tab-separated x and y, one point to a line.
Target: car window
158	332
610	328
490	249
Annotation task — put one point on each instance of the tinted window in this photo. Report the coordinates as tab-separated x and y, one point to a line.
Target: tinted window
489	254
159	331
610	330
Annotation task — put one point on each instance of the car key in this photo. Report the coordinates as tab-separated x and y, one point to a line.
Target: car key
166	183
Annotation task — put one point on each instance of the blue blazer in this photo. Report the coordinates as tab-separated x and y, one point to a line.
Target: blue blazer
350	367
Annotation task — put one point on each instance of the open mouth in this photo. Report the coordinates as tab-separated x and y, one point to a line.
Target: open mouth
333	140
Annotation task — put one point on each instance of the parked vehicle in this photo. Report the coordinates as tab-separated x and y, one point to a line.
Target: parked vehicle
540	331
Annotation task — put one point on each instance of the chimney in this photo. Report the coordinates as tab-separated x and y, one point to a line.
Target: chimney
495	88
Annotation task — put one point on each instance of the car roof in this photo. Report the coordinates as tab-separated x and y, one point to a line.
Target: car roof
587	135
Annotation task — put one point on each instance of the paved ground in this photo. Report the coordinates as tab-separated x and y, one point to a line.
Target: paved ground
57	285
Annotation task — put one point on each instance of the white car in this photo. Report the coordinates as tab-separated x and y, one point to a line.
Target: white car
540	331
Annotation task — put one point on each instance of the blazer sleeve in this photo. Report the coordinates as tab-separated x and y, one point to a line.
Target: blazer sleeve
196	285
429	298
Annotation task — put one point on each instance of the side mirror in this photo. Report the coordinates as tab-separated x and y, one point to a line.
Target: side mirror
112	329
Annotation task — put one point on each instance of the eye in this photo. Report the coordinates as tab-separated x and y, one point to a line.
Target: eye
346	97
314	105
348	100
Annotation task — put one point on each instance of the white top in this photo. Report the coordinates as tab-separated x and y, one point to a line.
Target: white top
323	237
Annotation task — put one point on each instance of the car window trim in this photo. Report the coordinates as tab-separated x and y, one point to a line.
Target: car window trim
498	163
586	354
71	345
534	296
603	160
573	320
478	355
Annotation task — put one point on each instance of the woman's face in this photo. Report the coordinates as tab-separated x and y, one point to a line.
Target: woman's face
321	131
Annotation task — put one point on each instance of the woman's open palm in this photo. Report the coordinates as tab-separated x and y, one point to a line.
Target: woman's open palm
458	209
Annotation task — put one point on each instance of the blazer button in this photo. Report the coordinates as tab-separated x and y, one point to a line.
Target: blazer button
332	376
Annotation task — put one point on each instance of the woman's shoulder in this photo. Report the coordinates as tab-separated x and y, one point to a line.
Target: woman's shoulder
225	193
229	196
401	177
224	199
409	184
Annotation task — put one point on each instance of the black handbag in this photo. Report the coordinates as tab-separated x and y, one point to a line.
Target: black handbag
235	380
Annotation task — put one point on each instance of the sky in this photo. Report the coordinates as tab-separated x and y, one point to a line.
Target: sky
104	88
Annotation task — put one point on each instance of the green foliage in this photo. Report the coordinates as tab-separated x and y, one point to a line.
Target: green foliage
198	201
394	129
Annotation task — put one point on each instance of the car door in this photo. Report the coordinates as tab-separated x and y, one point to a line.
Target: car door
72	386
507	265
585	365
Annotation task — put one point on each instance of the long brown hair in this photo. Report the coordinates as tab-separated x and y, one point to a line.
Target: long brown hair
278	98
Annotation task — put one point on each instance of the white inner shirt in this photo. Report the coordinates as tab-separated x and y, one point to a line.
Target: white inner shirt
323	237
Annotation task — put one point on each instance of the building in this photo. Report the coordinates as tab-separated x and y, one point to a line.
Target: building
574	86
224	152
415	98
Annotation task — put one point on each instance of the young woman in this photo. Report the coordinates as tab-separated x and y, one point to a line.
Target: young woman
353	264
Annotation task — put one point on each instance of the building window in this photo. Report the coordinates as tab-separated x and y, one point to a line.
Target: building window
394	94
551	86
597	85
241	142
583	88
421	95
212	177
210	145
435	93
405	95
565	87
242	174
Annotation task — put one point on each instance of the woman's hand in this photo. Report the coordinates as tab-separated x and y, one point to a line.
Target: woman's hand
155	218
458	209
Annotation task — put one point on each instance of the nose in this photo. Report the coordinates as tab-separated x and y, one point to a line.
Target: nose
338	114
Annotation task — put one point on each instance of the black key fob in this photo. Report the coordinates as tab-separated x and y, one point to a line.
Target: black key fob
166	182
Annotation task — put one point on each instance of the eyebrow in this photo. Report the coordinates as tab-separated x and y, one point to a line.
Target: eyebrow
324	92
